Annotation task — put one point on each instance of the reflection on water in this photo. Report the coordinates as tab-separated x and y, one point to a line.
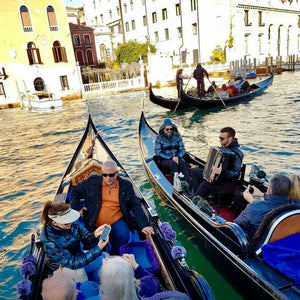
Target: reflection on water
36	149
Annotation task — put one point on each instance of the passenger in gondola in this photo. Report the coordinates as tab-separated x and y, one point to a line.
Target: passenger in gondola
230	176
62	237
222	92
231	89
213	88
179	80
110	199
245	86
169	150
277	194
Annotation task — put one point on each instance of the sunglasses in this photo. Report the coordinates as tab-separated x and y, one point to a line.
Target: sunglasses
168	129
221	138
109	175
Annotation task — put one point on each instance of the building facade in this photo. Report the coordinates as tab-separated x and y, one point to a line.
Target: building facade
83	44
36	50
187	31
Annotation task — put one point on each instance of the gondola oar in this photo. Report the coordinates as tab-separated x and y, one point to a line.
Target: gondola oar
179	98
217	92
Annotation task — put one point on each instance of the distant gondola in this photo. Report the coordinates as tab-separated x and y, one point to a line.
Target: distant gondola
189	101
173	273
224	242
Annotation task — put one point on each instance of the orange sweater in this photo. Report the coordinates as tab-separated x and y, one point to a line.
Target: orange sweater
110	208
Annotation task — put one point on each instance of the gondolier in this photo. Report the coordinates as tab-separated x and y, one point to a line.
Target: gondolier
199	73
179	80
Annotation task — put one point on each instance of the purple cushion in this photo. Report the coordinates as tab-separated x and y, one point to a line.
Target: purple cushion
144	255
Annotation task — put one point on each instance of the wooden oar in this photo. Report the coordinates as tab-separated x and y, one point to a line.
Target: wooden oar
217	92
179	98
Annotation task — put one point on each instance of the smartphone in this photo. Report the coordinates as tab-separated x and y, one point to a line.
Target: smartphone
251	189
105	233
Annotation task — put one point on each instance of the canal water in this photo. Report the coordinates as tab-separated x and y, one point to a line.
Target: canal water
36	147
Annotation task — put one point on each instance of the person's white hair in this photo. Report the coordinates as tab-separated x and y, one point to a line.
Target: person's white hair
110	164
117	279
59	287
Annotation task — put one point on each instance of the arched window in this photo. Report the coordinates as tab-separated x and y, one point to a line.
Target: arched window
59	52
76	40
80	57
33	54
90	58
39	84
52	18
103	53
25	17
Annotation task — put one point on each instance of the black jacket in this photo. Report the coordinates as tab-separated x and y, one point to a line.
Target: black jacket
91	191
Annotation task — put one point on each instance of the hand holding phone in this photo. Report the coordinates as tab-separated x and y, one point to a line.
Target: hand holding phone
105	233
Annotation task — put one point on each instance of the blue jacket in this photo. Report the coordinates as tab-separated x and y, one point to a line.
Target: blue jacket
63	246
252	215
91	191
235	164
168	147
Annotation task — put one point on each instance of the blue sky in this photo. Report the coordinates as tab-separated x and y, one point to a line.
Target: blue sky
73	3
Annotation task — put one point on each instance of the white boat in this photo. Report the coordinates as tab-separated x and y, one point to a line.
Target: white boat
40	101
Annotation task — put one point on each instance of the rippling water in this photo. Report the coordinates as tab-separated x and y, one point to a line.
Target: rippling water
36	148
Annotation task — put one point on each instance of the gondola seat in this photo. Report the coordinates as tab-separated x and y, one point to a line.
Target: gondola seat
277	224
144	254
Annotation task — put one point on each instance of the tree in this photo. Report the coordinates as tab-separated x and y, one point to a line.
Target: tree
132	51
218	55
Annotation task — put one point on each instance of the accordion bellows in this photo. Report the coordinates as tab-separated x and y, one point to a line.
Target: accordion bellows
85	170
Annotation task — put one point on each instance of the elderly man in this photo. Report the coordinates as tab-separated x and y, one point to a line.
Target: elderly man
277	195
60	286
109	199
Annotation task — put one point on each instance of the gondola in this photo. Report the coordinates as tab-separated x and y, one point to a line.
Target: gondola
189	101
223	242
173	273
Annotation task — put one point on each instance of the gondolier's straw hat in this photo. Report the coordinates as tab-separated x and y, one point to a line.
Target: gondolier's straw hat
65	217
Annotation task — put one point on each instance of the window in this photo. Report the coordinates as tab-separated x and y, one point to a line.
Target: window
25	17
298	21
194	28
120	28
166	33
39	84
90	57
2	91
87	40
64	82
112	30
195	56
101	18
154	17
127	26
118	11
59	52
259	43
183	57
133	25
177	9
125	8
144	20
52	18
33	54
246	18
156	36
179	32
79	57
131	5
164	14
110	14
246	50
76	40
143	2
193	5
260	22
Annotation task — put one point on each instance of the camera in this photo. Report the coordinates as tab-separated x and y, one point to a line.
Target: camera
105	233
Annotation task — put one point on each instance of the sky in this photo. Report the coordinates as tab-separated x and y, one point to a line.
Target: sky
73	3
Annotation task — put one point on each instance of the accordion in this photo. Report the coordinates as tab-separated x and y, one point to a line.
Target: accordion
217	156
